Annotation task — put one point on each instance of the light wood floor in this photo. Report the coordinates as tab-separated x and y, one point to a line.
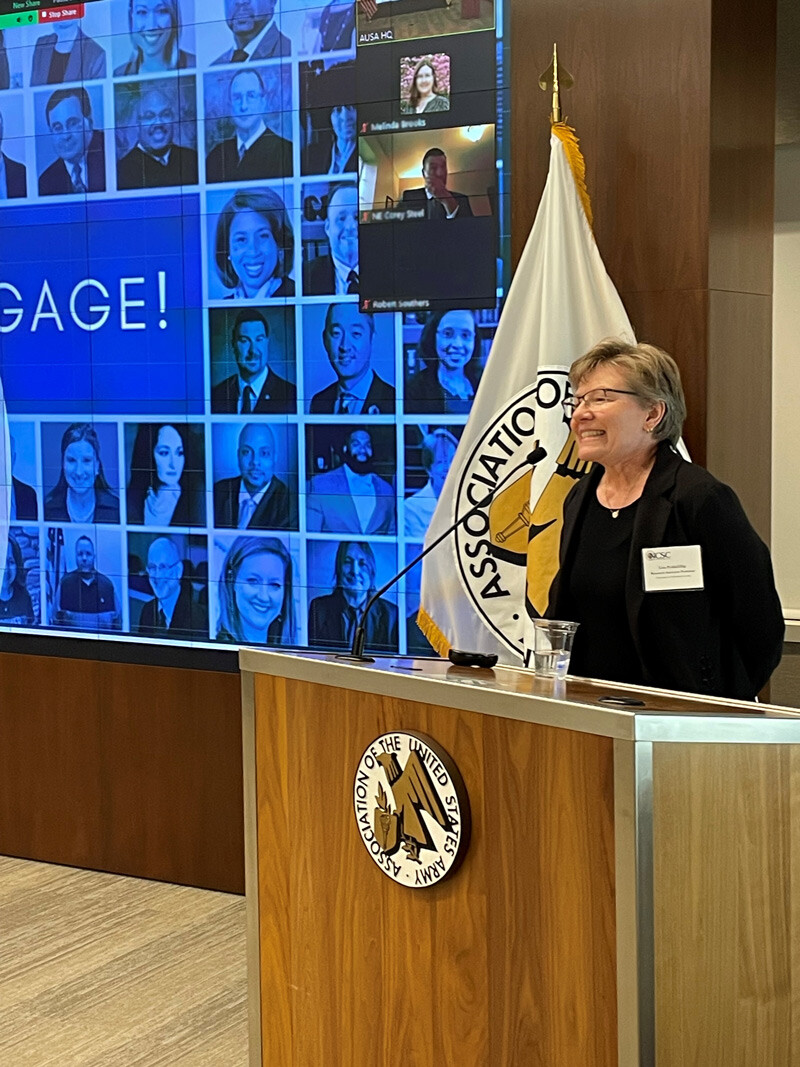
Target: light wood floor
98	970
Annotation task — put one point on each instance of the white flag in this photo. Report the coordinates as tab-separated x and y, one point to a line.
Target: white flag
561	303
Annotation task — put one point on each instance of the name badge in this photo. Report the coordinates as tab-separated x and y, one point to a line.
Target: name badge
672	568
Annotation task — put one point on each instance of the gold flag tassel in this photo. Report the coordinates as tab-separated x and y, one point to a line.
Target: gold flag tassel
433	634
554	79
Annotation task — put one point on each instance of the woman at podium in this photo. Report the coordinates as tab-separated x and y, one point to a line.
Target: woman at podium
659	564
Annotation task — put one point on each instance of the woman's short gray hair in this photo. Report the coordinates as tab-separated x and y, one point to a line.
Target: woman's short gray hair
649	372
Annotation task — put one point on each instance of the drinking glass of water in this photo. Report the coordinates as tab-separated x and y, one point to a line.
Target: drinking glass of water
552	647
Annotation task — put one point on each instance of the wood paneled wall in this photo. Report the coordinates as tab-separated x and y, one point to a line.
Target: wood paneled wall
122	767
674	105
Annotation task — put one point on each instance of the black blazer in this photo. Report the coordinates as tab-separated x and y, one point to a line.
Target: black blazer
326	623
418	197
16	178
319	276
278	397
277	510
27	506
138	170
56	179
106	507
724	640
189	619
317	157
378	401
268	157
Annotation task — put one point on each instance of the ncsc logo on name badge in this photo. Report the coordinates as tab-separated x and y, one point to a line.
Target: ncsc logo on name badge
412	809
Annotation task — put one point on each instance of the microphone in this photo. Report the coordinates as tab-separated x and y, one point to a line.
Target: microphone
356	654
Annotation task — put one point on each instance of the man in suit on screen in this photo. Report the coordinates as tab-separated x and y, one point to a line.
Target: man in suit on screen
13	178
24	505
255	152
440	202
174	610
155	159
334	617
256	389
352	498
335	153
81	163
258	499
348	337
336	272
255	32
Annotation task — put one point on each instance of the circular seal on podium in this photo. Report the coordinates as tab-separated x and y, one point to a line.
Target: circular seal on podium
411	808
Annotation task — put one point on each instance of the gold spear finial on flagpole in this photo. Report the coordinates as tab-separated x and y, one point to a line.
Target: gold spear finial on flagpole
556	79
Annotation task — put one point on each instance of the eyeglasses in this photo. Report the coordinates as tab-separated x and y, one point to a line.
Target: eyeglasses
594	399
160	570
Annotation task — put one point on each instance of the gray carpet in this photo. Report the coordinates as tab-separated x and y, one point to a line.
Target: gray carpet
99	970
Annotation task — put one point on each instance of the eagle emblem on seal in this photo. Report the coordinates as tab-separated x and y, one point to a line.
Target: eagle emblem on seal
412	792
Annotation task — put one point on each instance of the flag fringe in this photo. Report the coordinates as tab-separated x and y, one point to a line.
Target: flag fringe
577	164
432	632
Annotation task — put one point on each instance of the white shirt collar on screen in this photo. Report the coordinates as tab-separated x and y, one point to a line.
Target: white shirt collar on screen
253	45
251	140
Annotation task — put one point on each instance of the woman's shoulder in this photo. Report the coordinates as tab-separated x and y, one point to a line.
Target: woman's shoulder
438	103
286	288
424	386
131	67
186	59
106	500
699	493
55	503
693	480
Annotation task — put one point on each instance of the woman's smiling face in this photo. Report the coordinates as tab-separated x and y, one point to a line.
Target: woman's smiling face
455	339
611	430
253	250
259	590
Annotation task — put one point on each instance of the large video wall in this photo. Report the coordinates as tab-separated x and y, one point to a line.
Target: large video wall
251	259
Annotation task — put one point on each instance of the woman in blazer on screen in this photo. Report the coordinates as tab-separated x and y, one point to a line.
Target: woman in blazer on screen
254	246
448	377
256	605
81	493
166	482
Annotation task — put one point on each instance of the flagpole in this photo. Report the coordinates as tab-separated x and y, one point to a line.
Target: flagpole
554	79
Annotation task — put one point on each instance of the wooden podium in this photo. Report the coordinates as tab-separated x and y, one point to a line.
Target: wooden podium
626	898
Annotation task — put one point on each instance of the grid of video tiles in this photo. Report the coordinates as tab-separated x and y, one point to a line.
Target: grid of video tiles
214	435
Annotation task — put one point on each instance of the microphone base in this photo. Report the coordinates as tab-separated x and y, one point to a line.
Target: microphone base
350	658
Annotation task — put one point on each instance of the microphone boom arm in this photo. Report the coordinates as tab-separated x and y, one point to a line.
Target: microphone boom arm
360	636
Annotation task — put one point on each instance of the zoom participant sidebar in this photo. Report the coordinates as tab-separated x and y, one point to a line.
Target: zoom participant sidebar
428	218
